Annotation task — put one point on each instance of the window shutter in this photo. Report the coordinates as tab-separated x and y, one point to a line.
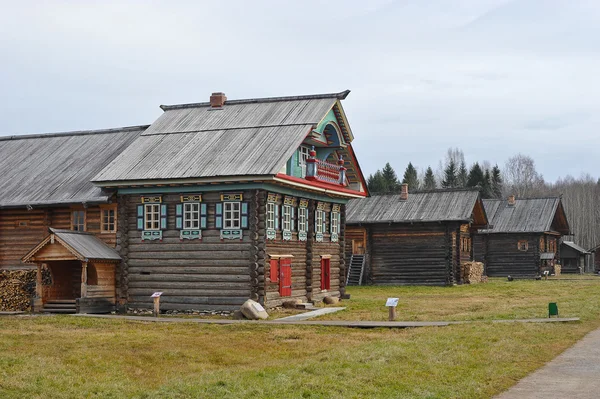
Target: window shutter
244	213
276	217
293	219
274	270
316	220
178	216
219	215
331	222
163	216
140	217
323	217
203	216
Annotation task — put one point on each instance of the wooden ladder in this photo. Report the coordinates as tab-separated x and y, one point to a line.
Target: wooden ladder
356	270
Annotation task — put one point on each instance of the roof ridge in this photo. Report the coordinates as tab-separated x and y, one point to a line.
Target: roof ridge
340	96
67	231
522	199
74	133
229	128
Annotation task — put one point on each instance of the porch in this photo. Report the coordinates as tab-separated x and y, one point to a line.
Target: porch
81	273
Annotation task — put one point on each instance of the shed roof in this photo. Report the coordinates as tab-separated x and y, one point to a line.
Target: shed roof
46	169
527	215
252	137
575	247
425	206
84	246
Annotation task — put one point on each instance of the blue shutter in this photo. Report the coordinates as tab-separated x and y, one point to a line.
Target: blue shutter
324	221
244	221
140	217
316	219
163	216
203	216
179	216
219	215
330	222
293	218
276	217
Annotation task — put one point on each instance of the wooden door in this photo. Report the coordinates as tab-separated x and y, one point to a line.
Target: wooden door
285	277
358	247
325	274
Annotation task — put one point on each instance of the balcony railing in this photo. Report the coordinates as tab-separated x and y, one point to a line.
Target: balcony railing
319	170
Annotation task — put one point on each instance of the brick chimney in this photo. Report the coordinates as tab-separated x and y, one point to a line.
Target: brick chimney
217	100
511	200
404	192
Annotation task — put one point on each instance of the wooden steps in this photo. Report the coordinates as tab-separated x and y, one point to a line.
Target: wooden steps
356	270
66	306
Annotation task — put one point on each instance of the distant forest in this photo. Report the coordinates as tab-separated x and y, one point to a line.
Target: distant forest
580	196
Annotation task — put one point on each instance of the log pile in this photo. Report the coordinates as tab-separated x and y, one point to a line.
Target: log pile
472	273
557	269
17	288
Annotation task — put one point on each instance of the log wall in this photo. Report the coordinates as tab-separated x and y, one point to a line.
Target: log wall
502	256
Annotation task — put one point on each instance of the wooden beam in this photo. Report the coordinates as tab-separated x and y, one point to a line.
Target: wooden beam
83	279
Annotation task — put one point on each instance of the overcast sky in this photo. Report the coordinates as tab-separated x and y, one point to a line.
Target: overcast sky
492	77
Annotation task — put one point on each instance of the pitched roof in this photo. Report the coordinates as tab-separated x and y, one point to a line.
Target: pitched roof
527	215
425	206
243	138
46	169
575	247
84	246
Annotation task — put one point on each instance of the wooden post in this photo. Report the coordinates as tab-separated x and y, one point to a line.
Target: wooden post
38	281
156	311
83	279
392	312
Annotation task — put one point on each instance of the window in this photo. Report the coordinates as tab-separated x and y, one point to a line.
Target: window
523	245
108	223
271	215
78	220
542	246
191	215
287	218
302	220
320	221
465	245
303	155
231	215
335	223
151	216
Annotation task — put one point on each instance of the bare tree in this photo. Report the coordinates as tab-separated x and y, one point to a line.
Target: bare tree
521	177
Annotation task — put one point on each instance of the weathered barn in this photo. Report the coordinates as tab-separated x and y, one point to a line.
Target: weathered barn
46	184
574	259
212	204
412	239
523	236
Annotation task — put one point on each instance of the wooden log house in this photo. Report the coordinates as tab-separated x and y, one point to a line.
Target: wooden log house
212	204
416	238
523	237
575	259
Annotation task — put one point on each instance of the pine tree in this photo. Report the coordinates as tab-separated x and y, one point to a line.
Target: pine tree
411	178
377	184
462	175
476	176
429	181
496	183
389	175
450	178
486	187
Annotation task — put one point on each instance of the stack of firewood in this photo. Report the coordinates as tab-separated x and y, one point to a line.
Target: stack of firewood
557	269
472	273
17	288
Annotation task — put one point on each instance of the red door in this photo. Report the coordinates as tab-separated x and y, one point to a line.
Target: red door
285	277
325	274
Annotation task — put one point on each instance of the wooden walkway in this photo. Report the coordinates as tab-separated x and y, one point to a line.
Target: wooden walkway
325	323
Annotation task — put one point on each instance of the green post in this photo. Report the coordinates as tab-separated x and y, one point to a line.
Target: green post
552	309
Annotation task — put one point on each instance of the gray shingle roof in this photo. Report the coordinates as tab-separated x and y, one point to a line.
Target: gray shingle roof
575	247
428	206
528	215
86	245
243	138
56	168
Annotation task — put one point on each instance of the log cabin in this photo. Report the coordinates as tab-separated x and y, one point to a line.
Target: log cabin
45	191
523	237
575	259
418	238
212	204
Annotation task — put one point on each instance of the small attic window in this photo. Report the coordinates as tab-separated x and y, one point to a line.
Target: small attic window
523	245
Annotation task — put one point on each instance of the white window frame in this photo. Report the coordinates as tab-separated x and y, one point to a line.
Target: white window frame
191	216
303	155
302	220
286	220
271	215
106	226
319	217
151	217
335	223
234	221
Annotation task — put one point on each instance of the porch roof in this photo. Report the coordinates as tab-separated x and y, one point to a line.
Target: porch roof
84	246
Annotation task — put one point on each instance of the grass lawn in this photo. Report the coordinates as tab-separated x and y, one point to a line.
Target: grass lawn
68	357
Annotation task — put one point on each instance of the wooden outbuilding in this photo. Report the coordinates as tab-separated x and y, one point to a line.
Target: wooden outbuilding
416	238
575	259
523	237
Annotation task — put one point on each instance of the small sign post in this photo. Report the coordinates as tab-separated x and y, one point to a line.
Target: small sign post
156	297
391	304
